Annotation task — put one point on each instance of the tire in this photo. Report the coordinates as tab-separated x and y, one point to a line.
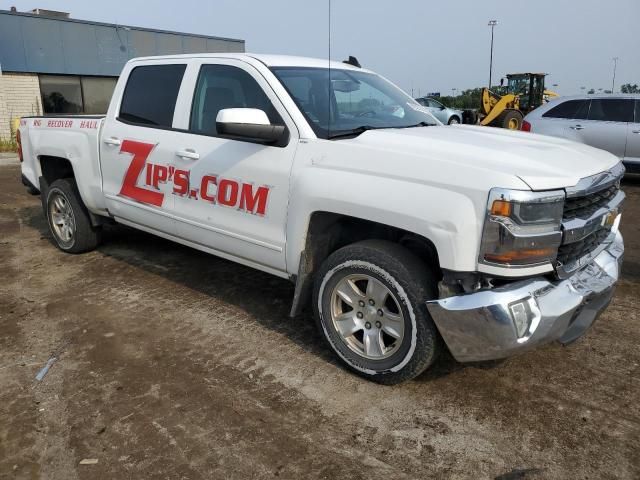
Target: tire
454	120
408	283
68	218
510	119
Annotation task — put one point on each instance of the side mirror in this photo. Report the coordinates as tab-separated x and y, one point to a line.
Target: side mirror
442	107
249	124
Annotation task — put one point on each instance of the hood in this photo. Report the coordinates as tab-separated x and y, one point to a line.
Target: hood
543	163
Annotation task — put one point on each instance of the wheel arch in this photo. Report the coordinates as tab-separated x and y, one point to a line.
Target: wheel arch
52	168
329	231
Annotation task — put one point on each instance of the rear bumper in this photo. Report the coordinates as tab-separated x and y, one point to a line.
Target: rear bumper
482	326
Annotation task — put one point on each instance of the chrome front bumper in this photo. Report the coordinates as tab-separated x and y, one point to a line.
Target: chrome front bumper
484	325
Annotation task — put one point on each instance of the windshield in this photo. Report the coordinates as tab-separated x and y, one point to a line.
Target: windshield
351	103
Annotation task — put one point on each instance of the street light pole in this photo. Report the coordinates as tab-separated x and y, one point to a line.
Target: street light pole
492	24
615	65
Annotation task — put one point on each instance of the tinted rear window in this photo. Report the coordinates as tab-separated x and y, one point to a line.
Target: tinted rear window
611	110
151	93
566	109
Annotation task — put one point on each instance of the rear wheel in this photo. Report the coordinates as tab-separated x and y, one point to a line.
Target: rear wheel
369	301
510	119
68	218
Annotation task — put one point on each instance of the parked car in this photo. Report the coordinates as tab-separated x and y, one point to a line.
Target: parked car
610	122
402	234
446	115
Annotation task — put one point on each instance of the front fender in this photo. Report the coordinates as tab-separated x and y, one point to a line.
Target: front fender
446	217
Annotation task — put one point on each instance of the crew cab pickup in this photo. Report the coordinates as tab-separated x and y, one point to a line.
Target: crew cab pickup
406	236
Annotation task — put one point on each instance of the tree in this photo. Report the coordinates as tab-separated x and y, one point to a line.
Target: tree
628	88
467	99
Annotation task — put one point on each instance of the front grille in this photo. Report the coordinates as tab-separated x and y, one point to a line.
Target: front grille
584	207
578	210
570	252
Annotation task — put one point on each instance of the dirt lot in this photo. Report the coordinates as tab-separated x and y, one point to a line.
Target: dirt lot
175	364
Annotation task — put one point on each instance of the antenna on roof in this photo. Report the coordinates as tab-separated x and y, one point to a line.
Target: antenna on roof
329	81
352	61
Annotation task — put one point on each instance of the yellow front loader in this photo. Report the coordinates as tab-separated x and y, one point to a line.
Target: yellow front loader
524	92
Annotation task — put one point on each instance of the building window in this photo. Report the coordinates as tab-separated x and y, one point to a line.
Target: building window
73	94
96	93
61	94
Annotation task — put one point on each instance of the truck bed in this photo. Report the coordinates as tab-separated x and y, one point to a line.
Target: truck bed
72	137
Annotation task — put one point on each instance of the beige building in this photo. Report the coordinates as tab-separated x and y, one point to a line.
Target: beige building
19	97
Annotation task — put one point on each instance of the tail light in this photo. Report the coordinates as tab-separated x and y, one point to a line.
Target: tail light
526	126
19	142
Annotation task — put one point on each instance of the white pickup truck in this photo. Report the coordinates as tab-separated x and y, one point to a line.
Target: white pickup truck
404	235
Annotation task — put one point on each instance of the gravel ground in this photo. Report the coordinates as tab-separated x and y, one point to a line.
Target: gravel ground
174	364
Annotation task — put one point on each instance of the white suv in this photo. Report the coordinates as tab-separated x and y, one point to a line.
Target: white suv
609	122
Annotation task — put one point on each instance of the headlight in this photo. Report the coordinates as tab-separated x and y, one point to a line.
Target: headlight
522	228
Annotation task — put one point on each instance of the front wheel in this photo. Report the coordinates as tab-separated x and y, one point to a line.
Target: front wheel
510	119
454	121
369	301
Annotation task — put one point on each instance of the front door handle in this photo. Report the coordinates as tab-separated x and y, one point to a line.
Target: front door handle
635	131
113	141
577	127
188	153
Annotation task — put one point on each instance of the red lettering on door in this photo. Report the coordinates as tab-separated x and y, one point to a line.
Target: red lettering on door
140	152
253	203
228	192
204	188
181	182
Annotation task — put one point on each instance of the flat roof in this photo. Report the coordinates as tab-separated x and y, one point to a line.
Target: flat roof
118	25
40	44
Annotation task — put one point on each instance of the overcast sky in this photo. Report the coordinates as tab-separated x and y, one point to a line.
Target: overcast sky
429	46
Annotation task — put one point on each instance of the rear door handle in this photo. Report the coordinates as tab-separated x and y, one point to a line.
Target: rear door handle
577	127
113	141
188	153
635	131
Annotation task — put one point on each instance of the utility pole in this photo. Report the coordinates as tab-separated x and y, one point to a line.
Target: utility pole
615	65
492	24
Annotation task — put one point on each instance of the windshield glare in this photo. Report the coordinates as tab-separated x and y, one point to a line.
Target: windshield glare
351	101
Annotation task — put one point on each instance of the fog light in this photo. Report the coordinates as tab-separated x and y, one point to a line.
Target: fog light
520	314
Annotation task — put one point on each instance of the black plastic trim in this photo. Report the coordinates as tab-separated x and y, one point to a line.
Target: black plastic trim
27	183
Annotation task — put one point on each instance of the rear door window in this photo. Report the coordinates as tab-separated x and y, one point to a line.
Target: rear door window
611	110
637	111
566	109
583	111
150	96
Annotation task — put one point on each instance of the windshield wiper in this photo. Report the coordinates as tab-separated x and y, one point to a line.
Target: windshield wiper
351	133
421	124
363	128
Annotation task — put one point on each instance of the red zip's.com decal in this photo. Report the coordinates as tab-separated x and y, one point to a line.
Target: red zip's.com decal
140	152
245	197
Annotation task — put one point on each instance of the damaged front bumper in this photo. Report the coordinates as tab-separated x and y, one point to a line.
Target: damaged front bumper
503	321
